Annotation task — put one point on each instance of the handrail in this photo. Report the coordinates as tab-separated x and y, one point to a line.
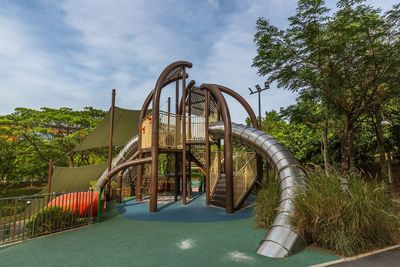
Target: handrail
213	167
244	180
242	169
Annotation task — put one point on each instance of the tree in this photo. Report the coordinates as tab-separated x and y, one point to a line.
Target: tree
300	139
30	138
312	112
350	60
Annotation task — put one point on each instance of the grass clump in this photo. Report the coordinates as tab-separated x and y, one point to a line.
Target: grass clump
347	218
266	203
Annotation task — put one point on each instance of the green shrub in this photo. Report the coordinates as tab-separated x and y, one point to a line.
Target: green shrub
49	220
266	203
346	219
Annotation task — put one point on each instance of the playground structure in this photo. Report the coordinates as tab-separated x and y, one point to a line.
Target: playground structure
201	132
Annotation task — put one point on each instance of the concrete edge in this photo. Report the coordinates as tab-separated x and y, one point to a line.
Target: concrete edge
356	257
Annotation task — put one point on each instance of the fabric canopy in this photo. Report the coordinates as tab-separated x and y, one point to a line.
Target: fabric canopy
125	127
75	178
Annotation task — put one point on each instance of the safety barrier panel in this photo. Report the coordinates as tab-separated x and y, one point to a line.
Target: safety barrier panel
244	177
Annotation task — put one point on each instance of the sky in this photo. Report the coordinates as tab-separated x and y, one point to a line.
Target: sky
71	53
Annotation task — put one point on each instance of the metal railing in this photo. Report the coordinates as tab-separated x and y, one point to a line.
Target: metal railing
244	176
214	172
24	217
195	128
170	130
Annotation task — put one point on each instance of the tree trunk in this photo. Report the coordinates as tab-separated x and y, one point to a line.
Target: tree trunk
347	149
380	141
343	146
325	147
352	159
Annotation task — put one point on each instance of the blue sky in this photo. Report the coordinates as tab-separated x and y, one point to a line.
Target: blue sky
72	53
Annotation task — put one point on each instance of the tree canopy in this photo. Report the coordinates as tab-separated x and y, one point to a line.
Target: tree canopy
347	61
30	138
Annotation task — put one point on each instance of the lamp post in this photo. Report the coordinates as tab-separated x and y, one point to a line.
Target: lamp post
258	91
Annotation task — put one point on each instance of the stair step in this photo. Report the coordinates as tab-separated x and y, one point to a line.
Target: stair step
218	203
220	188
221	198
220	191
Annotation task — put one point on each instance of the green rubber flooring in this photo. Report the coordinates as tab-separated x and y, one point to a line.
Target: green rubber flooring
121	241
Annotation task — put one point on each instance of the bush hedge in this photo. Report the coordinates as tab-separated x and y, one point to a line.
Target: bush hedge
49	220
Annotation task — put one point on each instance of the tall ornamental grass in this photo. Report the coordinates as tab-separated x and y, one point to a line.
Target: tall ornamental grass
345	214
266	203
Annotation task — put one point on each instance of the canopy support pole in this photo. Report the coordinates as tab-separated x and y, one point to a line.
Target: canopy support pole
110	141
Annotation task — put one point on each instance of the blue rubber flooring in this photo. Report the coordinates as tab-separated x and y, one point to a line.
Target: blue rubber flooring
194	212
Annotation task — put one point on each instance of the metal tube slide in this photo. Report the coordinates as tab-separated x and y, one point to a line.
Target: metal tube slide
281	239
129	149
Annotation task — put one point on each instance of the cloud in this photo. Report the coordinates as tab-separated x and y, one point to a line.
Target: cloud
230	59
72	53
214	4
30	76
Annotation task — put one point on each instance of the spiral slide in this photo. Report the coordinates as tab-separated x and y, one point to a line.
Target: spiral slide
281	239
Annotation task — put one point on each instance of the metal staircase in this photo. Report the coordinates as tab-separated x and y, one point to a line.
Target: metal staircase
244	177
218	197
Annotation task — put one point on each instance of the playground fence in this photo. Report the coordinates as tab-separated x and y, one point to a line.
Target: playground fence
24	217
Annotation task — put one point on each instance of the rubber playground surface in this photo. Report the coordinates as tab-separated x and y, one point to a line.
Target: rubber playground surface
192	235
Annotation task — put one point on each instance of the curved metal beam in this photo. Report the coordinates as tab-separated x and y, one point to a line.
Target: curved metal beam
155	127
190	85
243	102
254	122
102	182
142	115
228	155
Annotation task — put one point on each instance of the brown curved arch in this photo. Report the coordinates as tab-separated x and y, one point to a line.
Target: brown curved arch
144	110
155	126
213	89
189	86
121	167
243	102
253	119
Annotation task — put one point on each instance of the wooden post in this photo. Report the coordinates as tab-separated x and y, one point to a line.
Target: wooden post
110	140
219	158
169	122
207	144
177	181
190	137
50	175
184	186
118	198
